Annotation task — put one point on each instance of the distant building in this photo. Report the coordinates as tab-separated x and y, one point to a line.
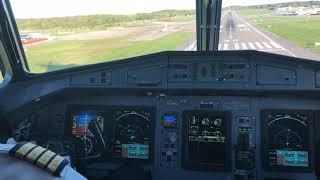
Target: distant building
315	11
286	11
37	36
24	37
29	38
297	11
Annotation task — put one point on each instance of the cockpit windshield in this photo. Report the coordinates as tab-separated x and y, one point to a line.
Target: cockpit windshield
58	34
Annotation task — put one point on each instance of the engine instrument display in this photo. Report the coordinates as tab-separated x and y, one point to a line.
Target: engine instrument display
133	134
287	138
206	140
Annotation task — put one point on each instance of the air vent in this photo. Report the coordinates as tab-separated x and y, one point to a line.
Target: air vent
102	78
92	80
195	71
213	70
204	71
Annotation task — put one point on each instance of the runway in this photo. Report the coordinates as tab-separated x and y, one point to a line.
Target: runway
237	34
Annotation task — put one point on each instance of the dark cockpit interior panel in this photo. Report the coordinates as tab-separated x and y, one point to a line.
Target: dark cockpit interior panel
178	115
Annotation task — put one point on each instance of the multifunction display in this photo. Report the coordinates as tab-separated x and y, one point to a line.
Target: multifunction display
287	138
206	140
133	133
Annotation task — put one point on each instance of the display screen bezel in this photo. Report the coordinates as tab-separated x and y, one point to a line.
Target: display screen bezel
264	139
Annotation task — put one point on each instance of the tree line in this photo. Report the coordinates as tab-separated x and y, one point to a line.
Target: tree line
97	21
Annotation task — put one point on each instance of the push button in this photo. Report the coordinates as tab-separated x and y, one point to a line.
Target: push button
169	158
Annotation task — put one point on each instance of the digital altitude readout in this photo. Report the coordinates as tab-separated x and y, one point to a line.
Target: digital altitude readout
287	138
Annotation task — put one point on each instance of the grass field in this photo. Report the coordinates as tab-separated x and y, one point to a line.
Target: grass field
63	54
302	30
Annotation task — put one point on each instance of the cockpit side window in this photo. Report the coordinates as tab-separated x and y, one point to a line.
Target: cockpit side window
2	71
1	75
1	78
5	68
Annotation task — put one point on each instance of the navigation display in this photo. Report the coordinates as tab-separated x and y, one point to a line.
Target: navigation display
206	140
133	138
287	138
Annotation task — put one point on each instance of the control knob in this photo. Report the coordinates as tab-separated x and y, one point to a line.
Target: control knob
173	137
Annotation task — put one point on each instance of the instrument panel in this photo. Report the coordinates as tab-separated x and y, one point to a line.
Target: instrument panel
195	136
190	115
213	134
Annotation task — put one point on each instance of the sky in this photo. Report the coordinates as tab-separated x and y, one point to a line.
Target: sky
59	8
